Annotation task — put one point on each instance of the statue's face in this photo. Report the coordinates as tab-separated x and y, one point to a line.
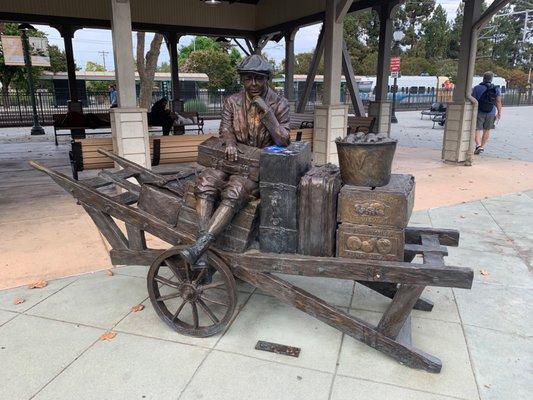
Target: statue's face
255	85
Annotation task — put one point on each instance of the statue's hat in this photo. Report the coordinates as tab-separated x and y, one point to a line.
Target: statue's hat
255	64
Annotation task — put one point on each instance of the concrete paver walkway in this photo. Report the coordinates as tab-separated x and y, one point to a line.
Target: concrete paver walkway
50	347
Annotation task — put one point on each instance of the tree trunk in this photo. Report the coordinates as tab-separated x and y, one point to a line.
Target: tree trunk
146	67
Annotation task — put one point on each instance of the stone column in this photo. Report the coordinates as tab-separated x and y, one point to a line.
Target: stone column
172	40
461	114
331	118
129	125
380	108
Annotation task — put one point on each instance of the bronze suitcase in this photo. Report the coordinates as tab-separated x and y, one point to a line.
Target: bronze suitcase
386	206
369	242
319	189
211	153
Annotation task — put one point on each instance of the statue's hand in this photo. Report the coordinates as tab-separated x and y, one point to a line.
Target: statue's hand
231	152
261	104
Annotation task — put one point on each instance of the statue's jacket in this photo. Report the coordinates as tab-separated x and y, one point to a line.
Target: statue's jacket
234	127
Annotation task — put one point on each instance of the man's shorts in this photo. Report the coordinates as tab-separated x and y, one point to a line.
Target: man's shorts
485	121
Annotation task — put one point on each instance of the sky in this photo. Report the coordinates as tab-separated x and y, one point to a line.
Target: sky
90	43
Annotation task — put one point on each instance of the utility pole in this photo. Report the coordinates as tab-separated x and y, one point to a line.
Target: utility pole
104	53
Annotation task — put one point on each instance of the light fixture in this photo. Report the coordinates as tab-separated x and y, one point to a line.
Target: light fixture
212	2
398	35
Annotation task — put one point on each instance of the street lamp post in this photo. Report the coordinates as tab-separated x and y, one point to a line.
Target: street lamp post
36	129
398	35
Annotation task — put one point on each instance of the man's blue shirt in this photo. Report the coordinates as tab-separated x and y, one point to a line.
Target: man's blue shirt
479	90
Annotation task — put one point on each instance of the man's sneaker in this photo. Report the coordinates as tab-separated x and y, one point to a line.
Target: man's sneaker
478	150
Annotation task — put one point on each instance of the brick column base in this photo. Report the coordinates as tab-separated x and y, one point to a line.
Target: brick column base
458	131
129	127
330	123
381	110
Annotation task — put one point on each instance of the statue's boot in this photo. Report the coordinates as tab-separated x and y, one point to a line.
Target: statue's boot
219	221
204	211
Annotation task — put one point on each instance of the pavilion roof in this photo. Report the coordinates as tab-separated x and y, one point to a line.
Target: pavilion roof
230	18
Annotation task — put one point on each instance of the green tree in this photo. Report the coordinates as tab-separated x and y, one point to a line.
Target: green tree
216	64
58	59
361	34
164	67
436	34
197	44
95	86
410	17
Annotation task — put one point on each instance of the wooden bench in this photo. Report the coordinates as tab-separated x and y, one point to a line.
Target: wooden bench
196	121
302	120
361	124
101	123
84	154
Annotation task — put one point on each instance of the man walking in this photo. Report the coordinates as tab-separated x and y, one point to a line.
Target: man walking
489	109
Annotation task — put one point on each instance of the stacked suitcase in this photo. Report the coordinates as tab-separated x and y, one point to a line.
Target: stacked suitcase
280	175
319	189
373	220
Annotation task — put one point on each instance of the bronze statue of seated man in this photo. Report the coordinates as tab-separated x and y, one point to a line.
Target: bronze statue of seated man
257	117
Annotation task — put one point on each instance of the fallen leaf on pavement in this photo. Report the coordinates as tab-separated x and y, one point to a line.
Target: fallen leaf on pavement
137	308
109	272
108	336
37	285
462	216
484	272
18	300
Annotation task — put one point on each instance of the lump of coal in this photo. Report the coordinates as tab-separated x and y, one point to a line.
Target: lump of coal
361	137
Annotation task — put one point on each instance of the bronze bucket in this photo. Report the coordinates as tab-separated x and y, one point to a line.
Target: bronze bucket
366	163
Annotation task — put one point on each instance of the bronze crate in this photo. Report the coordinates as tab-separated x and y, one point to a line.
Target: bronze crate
386	206
211	153
368	242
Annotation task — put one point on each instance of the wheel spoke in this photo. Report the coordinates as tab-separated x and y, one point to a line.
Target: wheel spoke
174	269
195	315
178	310
208	311
214	301
212	285
168	296
166	282
200	275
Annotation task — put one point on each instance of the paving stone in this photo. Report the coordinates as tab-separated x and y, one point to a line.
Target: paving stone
443	340
266	318
225	376
420	218
511	216
30	296
345	388
97	300
502	364
34	350
444	308
148	323
139	271
469	216
337	292
497	307
127	367
523	244
502	269
491	241
6	316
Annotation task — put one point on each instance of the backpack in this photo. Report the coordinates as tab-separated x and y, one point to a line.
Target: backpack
487	100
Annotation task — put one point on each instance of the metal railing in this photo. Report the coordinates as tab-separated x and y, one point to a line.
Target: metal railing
16	110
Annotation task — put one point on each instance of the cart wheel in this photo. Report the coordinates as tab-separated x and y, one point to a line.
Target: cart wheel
183	301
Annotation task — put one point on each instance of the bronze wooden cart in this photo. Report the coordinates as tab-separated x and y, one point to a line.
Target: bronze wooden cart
174	286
